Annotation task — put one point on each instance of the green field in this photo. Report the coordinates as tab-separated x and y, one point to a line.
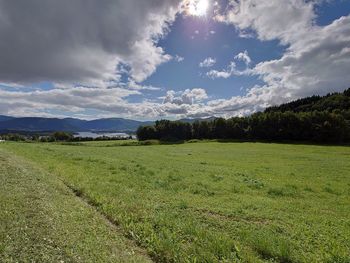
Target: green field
192	202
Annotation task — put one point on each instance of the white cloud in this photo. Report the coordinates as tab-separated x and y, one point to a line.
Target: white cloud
68	99
80	42
231	69
244	56
316	60
104	102
145	59
178	58
135	86
207	63
316	64
273	19
185	97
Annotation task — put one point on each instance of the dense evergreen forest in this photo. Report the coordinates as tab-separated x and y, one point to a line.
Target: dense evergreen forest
314	119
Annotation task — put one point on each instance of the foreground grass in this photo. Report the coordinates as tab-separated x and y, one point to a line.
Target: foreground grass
42	221
210	202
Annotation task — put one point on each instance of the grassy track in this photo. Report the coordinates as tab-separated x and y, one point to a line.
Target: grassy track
211	202
42	221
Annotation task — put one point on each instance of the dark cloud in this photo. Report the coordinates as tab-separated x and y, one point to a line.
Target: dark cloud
80	40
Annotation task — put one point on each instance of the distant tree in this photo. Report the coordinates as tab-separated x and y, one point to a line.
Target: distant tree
62	136
173	130
35	137
14	137
201	130
236	128
146	133
219	128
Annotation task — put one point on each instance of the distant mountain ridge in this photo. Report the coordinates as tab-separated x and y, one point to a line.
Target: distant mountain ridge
37	124
5	118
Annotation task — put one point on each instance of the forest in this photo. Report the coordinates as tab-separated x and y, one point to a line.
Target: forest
323	119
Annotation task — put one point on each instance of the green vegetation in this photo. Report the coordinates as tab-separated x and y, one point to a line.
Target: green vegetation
200	202
339	102
313	119
43	221
59	136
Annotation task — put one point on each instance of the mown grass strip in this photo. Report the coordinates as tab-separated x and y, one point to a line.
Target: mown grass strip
42	221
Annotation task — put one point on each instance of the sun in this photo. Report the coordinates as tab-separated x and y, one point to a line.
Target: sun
198	7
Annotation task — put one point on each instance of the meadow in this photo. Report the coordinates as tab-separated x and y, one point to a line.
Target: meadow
191	202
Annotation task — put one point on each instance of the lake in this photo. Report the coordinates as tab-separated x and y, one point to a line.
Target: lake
96	135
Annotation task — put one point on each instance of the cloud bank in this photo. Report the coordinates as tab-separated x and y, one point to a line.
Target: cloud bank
316	59
81	41
86	46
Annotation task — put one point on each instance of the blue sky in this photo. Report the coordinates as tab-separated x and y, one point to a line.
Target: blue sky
142	61
223	45
191	39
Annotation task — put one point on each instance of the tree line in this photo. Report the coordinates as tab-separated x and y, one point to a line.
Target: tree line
314	119
59	136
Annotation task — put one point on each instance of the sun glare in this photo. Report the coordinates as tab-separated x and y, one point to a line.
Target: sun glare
198	7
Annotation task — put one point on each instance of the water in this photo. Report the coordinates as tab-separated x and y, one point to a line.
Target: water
96	135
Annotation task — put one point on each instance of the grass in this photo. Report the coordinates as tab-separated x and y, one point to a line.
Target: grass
42	221
210	201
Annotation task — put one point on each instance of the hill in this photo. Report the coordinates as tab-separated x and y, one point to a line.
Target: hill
36	124
330	102
113	124
5	118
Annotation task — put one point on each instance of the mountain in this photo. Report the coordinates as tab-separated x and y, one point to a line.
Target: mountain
5	118
36	124
113	124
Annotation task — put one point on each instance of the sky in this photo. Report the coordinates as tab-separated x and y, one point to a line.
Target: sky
156	59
